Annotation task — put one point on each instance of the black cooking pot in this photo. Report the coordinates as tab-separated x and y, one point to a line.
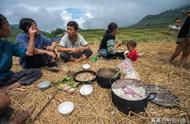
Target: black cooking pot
125	105
85	71
106	81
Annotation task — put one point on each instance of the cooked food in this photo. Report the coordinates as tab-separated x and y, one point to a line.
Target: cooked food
67	84
130	92
86	76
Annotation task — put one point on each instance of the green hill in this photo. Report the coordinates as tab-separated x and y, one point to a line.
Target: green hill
163	19
150	28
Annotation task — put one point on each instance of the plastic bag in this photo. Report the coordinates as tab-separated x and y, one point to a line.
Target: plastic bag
127	68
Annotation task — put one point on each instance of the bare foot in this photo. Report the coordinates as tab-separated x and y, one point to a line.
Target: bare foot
23	116
74	60
77	60
83	57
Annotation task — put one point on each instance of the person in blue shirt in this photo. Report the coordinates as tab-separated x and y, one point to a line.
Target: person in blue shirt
44	54
7	50
9	79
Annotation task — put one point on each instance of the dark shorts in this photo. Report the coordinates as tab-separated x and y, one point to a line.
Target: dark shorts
36	61
179	40
117	55
24	77
66	56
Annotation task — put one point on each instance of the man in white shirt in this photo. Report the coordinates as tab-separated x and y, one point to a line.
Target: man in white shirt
73	46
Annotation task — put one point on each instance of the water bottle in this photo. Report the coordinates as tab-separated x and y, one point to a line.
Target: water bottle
95	58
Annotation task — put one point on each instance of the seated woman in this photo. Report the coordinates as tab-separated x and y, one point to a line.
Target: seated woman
8	79
43	54
107	48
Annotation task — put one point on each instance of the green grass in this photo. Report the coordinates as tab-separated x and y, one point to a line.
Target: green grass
138	34
14	32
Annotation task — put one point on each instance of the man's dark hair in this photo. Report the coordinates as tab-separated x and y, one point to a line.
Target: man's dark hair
73	24
2	19
25	23
132	43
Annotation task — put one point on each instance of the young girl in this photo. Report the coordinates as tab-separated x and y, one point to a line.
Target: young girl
107	48
43	55
132	53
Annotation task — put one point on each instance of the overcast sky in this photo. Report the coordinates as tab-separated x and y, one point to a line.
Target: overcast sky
53	14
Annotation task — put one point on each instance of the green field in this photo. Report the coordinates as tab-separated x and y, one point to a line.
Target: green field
138	34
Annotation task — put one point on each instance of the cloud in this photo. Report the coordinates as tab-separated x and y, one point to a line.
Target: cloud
89	14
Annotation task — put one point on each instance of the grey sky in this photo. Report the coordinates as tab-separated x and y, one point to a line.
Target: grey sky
88	13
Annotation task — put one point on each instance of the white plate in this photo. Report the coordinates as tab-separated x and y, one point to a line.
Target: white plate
44	85
86	67
65	108
86	89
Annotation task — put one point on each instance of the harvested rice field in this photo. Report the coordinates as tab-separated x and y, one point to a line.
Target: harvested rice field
97	108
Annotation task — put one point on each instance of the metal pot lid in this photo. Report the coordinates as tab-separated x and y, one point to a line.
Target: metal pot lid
164	97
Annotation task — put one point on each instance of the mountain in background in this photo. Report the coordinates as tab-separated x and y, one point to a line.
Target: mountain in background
14	26
150	21
163	19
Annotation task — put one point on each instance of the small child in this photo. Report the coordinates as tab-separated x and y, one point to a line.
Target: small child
132	53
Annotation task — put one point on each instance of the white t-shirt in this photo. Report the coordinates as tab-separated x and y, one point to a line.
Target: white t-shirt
67	43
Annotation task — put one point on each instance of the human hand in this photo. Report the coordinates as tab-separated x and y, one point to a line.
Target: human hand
32	30
52	54
76	50
50	48
118	44
82	49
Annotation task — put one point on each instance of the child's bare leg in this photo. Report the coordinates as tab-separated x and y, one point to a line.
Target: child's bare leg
177	52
